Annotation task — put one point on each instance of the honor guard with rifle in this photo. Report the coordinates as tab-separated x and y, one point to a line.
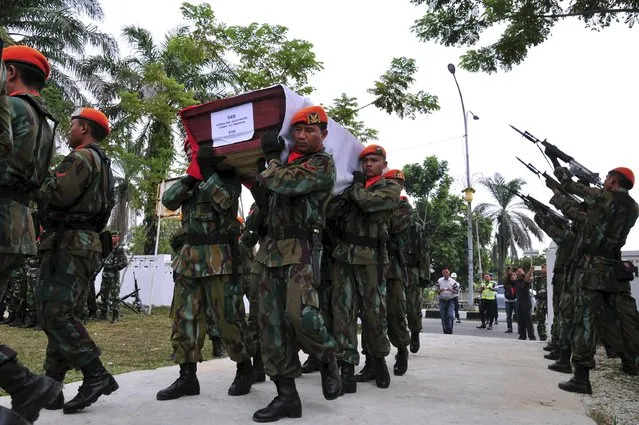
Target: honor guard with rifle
206	278
361	259
110	287
77	201
26	147
540	286
298	189
418	268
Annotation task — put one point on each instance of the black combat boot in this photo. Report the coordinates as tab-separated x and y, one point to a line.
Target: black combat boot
401	362
382	377
349	383
563	364
366	374
96	382
286	404
115	318
258	365
186	384
579	383
58	403
29	320
331	380
628	366
29	392
219	350
311	365
18	319
549	347
553	355
414	342
244	379
9	417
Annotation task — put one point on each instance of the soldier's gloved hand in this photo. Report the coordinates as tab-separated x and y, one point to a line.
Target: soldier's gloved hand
552	185
190	181
261	165
563	174
272	145
208	161
359	177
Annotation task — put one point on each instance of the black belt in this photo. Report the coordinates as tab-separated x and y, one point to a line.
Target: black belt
289	232
14	195
361	240
208	239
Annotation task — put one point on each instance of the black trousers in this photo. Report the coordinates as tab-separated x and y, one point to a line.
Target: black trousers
525	322
456	302
486	312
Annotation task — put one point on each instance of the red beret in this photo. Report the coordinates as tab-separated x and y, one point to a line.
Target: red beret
27	55
93	115
394	174
373	150
626	172
310	115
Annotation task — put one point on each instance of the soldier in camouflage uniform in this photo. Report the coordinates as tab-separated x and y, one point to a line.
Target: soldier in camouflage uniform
78	198
206	273
298	191
254	232
418	277
17	293
603	289
24	158
91	307
110	287
33	272
360	262
541	308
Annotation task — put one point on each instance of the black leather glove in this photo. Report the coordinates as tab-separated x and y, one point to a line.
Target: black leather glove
359	177
189	181
208	161
272	145
261	165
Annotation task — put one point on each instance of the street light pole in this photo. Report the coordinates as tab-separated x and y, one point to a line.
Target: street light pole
468	192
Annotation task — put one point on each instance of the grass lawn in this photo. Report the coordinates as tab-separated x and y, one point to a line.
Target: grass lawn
137	342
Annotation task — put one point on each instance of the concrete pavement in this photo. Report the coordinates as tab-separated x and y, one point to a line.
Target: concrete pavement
454	379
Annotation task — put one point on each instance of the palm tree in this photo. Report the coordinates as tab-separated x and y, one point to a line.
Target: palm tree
514	227
56	29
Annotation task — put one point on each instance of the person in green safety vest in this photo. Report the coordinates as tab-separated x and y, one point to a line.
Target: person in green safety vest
486	305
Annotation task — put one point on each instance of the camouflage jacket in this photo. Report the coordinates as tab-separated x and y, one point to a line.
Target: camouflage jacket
398	229
209	210
115	262
6	138
414	249
365	220
298	194
565	238
606	218
23	172
32	264
74	193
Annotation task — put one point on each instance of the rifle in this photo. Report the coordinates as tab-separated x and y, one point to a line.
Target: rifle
549	179
136	306
539	207
555	154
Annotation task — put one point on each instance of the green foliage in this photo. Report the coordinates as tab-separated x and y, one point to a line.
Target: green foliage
525	24
344	111
139	236
392	95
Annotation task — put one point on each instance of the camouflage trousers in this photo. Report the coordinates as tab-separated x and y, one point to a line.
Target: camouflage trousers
414	301
7	263
196	298
290	319
396	315
91	307
60	298
567	311
612	314
110	293
17	290
555	326
540	315
250	282
356	292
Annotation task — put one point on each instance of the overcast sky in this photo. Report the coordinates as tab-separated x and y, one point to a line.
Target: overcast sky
579	89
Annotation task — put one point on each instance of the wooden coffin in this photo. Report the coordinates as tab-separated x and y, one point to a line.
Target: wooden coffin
269	107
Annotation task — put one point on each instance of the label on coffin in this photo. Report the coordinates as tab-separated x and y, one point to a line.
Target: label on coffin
232	125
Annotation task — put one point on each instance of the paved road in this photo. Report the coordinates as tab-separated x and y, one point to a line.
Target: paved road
469	327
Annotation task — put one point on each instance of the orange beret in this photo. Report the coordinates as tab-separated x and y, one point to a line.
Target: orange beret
626	172
27	55
93	115
373	150
310	115
403	198
394	174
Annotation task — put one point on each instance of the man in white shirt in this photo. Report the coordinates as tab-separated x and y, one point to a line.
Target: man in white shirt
447	289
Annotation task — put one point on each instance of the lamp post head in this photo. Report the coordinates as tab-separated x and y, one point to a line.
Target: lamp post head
451	68
475	117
